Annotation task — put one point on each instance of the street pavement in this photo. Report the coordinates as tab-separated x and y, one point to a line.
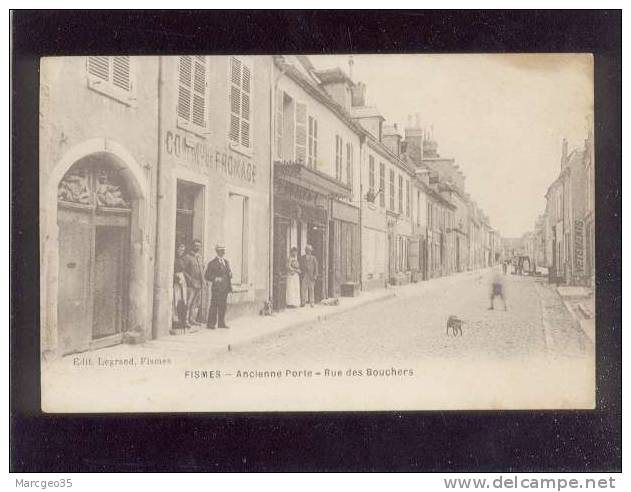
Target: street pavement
391	354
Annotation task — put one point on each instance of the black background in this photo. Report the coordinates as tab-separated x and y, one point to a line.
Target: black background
383	441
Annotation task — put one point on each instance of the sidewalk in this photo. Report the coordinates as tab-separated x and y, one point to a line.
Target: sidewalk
201	343
580	302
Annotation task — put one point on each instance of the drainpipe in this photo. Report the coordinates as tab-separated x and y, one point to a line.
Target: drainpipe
158	288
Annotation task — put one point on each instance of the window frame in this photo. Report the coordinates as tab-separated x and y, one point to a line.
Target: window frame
107	87
181	122
238	146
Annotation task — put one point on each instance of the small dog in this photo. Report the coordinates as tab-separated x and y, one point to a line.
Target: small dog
455	325
267	310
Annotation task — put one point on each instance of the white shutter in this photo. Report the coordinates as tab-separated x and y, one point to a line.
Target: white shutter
301	132
185	78
279	123
99	67
121	72
245	105
240	102
199	91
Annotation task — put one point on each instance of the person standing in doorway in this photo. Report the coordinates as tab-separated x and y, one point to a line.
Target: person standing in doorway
193	272
219	275
179	290
292	297
309	275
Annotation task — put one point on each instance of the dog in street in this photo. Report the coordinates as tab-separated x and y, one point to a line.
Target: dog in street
454	324
268	309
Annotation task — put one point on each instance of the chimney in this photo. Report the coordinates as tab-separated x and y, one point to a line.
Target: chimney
358	94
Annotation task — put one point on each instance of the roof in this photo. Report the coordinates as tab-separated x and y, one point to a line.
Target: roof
366	112
333	75
318	94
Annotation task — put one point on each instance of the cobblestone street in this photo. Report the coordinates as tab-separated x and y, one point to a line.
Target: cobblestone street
411	328
388	354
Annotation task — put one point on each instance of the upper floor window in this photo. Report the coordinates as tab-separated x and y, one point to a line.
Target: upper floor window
279	122
312	159
371	173
339	149
240	103
400	194
391	190
382	184
407	197
112	76
192	95
349	164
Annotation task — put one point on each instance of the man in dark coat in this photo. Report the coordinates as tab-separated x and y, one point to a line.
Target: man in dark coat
218	274
194	274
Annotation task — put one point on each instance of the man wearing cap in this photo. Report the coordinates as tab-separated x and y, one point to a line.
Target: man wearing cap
309	268
220	277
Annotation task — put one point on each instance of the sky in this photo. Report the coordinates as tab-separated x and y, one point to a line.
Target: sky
502	117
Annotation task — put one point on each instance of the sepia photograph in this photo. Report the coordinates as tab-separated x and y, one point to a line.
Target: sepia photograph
317	232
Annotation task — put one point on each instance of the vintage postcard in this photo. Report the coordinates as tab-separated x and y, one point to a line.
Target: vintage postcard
317	233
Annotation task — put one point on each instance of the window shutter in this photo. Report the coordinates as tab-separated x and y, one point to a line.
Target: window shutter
279	123
99	66
301	132
235	100
240	102
121	72
245	106
199	91
184	88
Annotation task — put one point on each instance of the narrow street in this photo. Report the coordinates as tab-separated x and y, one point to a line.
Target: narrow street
411	328
392	354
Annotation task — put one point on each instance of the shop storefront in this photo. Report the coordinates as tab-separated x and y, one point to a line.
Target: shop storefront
302	215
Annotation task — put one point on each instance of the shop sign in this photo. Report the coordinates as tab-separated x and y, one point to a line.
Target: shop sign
202	155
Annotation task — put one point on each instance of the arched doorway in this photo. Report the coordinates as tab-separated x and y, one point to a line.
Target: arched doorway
94	213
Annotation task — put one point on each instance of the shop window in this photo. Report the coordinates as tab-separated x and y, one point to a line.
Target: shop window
112	76
236	237
192	95
241	104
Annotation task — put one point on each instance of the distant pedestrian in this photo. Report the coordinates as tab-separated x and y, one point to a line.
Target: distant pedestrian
219	275
292	296
309	269
505	266
497	290
194	273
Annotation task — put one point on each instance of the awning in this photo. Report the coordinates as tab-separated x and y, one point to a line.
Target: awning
311	179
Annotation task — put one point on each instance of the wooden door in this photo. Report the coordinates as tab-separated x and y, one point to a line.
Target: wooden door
109	262
74	312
